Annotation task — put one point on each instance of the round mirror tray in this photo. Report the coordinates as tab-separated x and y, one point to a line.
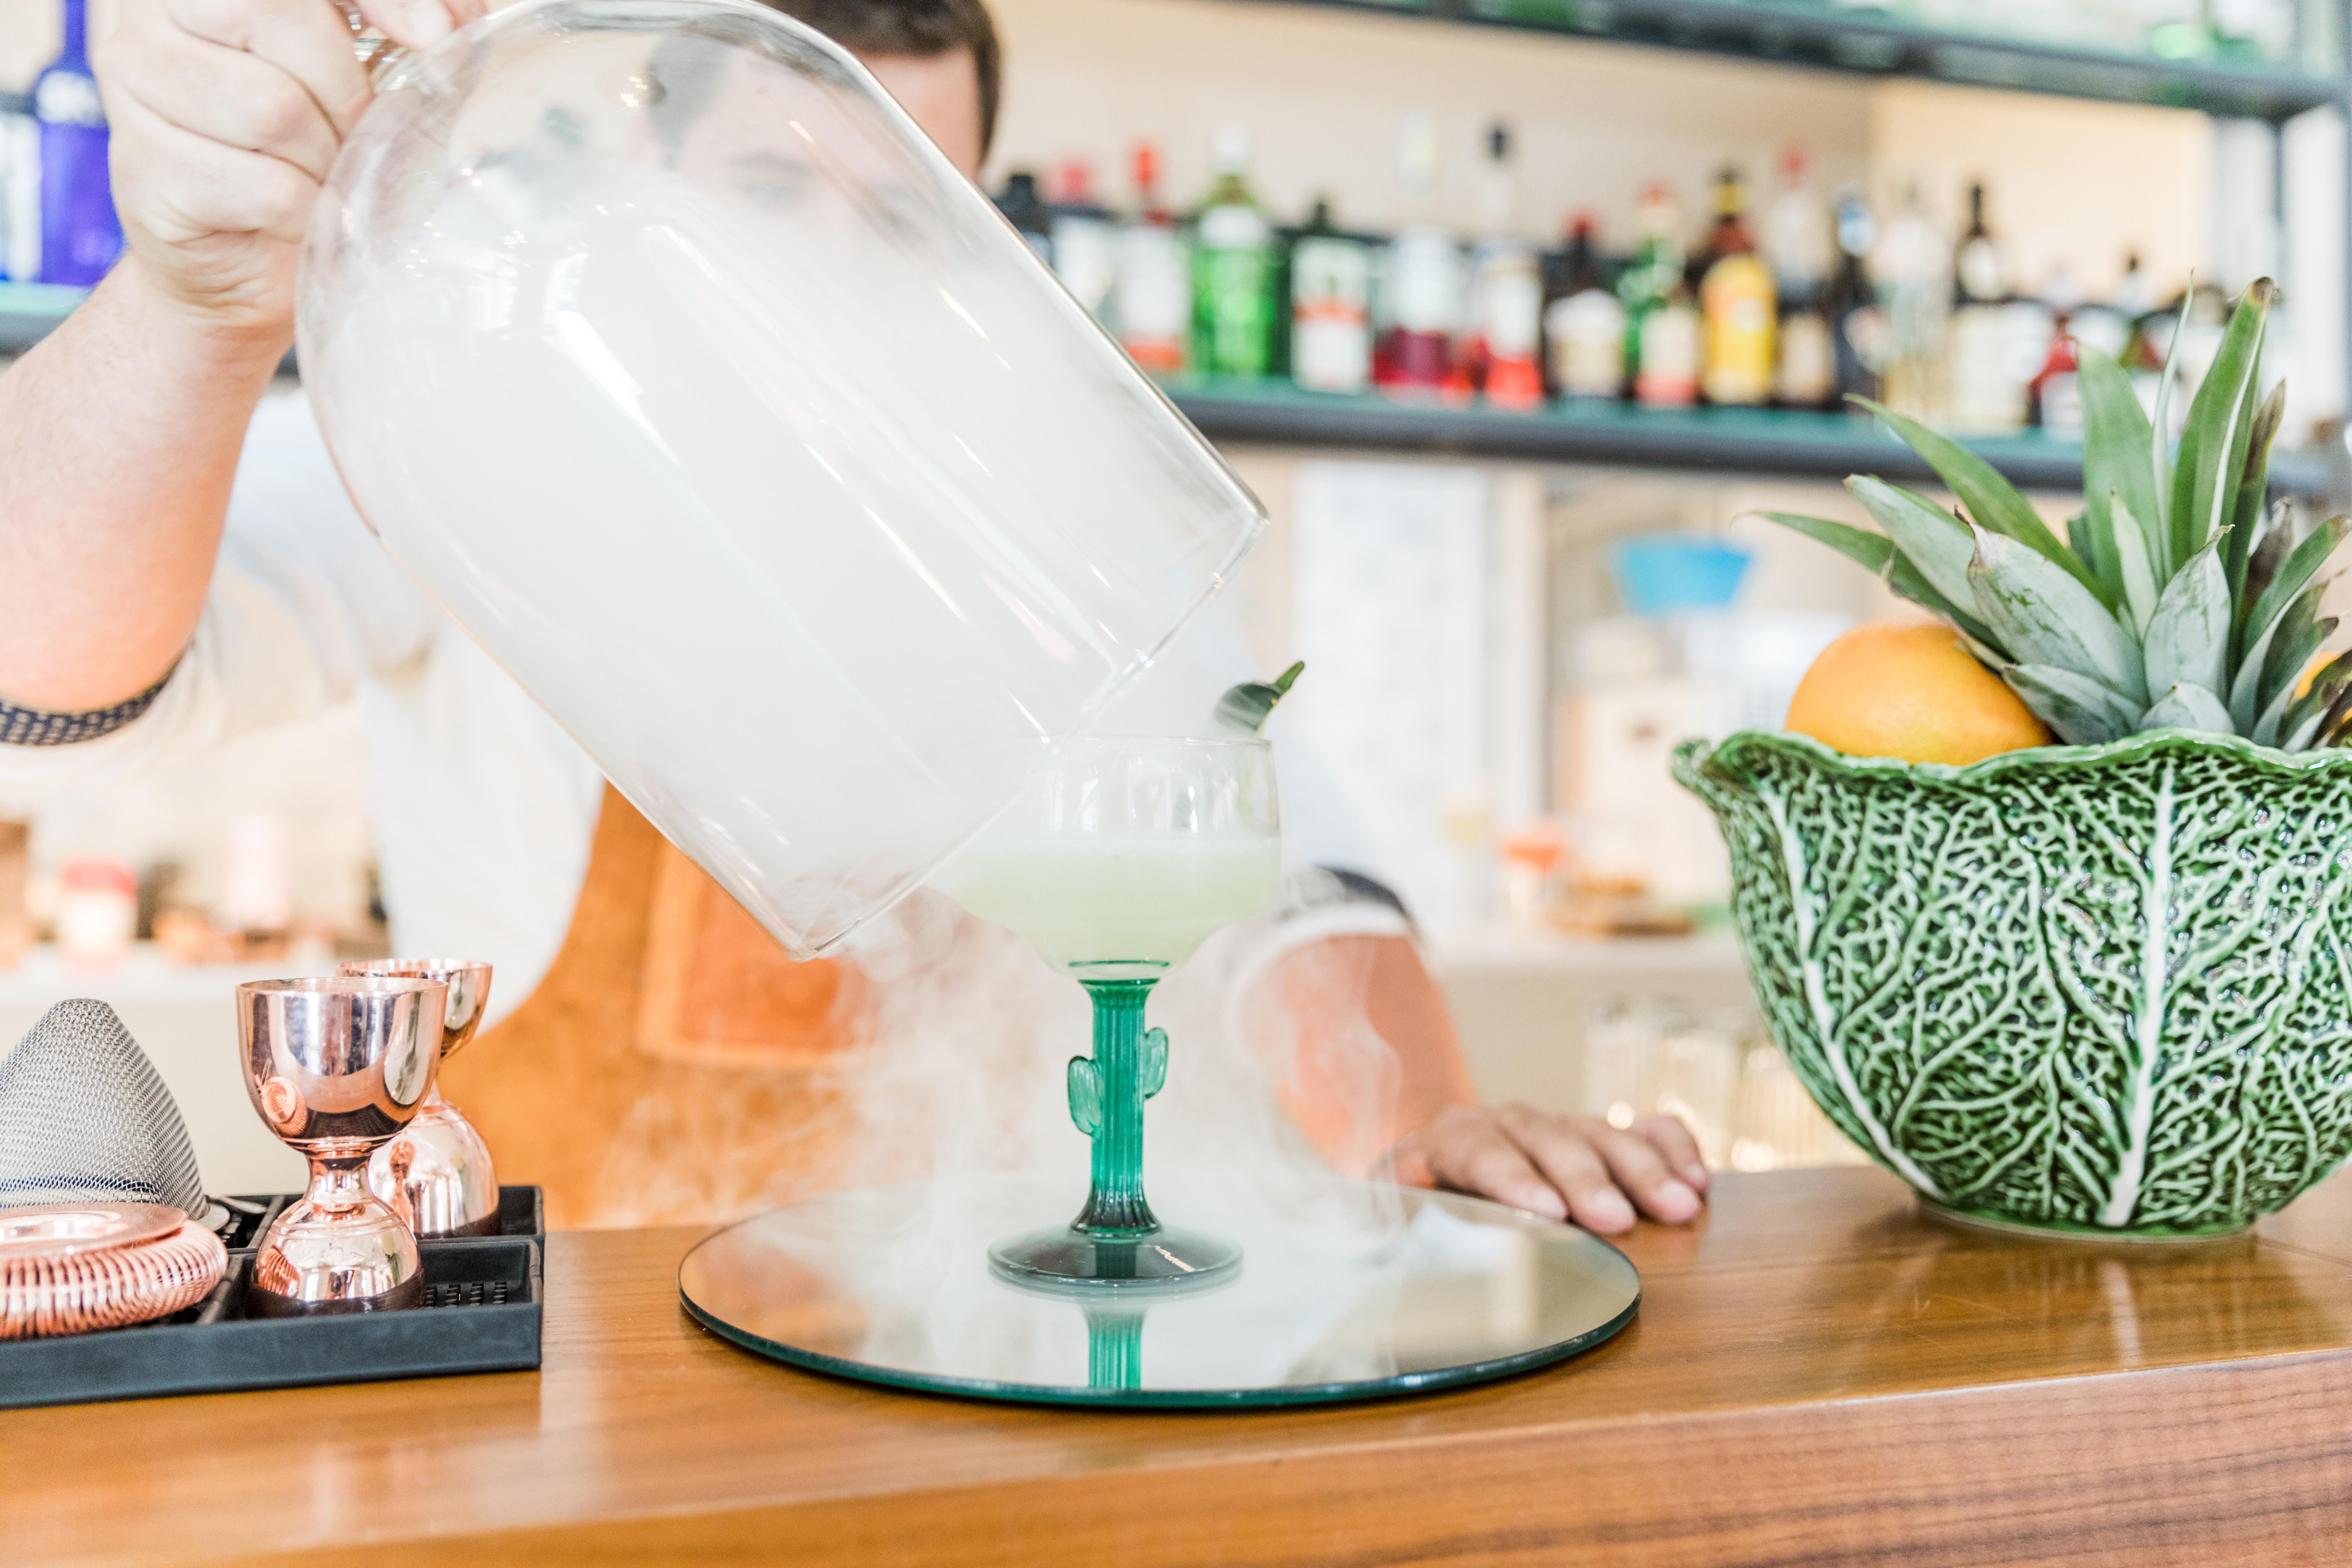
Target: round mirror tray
1346	1291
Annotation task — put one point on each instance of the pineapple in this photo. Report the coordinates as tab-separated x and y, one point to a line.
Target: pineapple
2176	600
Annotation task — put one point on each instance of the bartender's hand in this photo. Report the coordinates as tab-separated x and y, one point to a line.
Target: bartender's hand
1561	1167
1308	1014
226	115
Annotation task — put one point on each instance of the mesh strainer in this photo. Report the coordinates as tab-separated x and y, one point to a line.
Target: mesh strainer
84	1118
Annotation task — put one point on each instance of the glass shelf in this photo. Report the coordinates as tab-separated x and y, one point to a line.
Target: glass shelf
1882	43
1616	434
1728	440
30	311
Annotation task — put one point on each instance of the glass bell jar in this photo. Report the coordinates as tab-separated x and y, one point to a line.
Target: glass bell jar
684	373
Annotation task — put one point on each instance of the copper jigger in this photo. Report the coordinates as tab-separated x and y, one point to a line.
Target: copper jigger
336	1068
437	1173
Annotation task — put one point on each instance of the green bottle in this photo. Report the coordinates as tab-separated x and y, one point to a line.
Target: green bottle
1233	269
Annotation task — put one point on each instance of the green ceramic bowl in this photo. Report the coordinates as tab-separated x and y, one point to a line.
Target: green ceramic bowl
2101	990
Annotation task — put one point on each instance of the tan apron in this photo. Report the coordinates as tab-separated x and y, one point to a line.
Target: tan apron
673	1067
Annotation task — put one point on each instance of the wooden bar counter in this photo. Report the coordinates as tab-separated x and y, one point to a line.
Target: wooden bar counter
1817	1375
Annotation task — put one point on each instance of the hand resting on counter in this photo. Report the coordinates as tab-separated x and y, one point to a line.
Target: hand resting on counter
1561	1167
1311	1016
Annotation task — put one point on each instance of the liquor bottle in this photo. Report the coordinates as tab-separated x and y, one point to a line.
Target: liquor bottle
2107	325
1584	323
80	235
1736	299
1086	252
1507	292
1796	243
20	188
1232	268
1797	230
1330	307
1662	329
1987	393
1423	273
1151	292
2054	395
1025	210
1914	274
1858	327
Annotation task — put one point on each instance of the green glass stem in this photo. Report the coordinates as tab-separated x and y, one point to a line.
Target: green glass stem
1106	1094
1114	1347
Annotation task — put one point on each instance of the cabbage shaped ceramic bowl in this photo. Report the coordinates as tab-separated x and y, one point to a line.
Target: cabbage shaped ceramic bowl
2100	990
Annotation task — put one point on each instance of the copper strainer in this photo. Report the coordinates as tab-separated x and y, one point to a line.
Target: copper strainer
67	1268
98	1183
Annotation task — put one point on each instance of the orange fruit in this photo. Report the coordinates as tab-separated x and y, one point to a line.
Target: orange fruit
1910	690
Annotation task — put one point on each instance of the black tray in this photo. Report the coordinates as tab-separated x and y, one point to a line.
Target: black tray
523	1212
481	1314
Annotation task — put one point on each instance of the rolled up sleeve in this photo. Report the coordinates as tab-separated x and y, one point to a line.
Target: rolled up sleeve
303	606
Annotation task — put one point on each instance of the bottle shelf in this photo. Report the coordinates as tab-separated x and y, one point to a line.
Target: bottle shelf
1726	441
1605	435
1879	43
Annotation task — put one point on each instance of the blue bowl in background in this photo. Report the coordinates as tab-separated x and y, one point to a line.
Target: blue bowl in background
1659	573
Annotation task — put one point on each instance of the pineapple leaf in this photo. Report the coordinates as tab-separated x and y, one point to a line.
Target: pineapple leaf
1905	581
2253	482
2140	588
1937	542
1991	501
2079	709
1858	545
2332	722
2247	683
2221	418
2300	570
2188	706
2299	632
2270	548
2158	442
2117	440
2188	637
2302	719
1244	709
2089	537
2044	616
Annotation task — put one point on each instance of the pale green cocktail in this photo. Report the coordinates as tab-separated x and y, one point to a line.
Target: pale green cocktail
1125	856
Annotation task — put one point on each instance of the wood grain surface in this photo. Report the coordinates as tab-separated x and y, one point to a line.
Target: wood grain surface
1816	1376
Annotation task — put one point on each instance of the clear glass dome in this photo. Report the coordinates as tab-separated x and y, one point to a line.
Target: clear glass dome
694	383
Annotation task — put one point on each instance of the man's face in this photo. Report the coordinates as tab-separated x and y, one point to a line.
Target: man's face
941	94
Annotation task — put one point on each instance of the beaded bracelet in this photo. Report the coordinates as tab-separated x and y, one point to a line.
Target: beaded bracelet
38	727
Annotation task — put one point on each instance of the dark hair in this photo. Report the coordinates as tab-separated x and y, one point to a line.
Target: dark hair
921	28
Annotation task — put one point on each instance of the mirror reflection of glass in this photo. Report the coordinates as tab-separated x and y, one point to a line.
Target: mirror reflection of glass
893	1284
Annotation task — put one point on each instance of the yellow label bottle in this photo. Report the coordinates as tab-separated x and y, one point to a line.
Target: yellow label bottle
1736	299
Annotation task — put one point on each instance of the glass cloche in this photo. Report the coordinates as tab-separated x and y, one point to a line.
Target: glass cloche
698	387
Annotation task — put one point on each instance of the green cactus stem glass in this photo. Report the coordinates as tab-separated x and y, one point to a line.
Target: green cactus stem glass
1117	1241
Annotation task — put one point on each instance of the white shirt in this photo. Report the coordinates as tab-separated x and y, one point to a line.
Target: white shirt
484	809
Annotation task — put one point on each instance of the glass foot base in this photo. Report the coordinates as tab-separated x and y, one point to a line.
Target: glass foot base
1069	1259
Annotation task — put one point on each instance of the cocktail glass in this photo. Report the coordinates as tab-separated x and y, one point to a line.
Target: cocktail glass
1118	861
338	1068
438	1167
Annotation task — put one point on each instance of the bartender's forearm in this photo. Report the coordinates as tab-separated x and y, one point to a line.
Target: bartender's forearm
1366	1049
118	440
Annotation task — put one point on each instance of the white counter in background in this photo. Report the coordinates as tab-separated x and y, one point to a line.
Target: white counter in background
184	1018
1525	1000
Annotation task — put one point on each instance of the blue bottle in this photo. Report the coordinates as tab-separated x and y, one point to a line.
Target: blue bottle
80	235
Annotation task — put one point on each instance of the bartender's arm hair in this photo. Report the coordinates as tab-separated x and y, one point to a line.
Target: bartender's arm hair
920	30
